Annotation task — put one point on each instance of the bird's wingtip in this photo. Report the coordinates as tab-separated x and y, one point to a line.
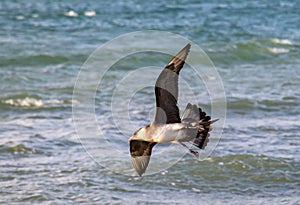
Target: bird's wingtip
188	45
140	164
179	59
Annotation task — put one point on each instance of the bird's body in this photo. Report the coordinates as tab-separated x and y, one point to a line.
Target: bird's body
163	132
192	128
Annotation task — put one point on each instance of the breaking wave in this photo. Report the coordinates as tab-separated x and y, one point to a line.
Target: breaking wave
34	102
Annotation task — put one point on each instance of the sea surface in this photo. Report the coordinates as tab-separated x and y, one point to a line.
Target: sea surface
255	47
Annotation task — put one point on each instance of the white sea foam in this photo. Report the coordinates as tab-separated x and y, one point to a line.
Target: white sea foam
278	50
90	13
32	102
34	15
71	13
136	112
26	102
281	41
20	17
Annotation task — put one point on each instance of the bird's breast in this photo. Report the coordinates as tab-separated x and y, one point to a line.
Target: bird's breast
168	132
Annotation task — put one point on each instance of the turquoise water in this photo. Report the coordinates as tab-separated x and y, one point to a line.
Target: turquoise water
255	46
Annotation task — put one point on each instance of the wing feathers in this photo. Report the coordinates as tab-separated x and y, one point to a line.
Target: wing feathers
166	89
140	152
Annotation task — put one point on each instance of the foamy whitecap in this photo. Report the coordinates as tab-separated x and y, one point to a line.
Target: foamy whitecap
211	77
26	102
34	15
136	112
20	17
71	13
32	102
278	50
90	13
281	41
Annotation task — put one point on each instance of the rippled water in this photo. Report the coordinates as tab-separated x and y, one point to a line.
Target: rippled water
255	47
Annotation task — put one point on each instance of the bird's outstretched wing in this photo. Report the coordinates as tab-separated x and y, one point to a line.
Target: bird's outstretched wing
166	89
140	152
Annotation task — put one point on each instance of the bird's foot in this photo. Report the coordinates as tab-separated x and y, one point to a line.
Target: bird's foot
194	152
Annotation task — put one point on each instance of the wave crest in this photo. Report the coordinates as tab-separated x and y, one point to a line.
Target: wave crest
33	102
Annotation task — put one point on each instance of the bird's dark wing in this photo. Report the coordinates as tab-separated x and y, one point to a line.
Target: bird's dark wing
166	89
140	152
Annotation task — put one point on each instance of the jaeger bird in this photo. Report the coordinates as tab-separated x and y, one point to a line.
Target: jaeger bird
167	126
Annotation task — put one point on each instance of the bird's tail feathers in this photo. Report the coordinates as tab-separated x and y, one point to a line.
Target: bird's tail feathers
204	128
193	113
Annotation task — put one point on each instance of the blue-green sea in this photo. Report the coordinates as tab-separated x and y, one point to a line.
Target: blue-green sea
255	47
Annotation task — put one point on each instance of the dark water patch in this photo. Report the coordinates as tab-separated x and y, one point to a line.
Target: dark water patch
240	104
18	149
278	103
21	96
34	198
240	174
37	136
253	50
35	60
291	98
66	143
249	51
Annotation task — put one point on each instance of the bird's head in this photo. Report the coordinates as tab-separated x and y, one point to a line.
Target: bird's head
139	134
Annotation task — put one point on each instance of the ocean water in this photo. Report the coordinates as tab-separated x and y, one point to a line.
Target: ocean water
255	47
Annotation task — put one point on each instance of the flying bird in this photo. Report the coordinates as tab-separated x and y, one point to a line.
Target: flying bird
167	126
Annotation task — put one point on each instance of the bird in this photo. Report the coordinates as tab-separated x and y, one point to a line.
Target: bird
192	129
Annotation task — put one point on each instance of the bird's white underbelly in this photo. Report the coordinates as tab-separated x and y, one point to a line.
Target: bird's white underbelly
169	133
